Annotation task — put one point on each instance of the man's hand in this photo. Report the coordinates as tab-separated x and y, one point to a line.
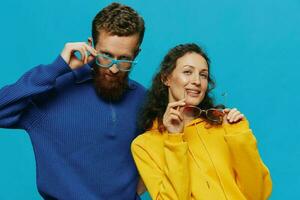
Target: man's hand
87	53
141	188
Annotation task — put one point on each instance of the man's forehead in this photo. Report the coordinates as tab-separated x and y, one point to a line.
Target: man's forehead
117	45
116	52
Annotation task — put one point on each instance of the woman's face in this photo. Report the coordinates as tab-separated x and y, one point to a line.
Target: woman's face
189	79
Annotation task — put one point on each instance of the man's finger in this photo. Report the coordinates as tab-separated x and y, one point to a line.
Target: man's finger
91	50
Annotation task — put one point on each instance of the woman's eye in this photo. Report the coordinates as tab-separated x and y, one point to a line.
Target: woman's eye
187	72
205	76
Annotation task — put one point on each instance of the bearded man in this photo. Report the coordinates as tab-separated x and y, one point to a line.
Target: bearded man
80	112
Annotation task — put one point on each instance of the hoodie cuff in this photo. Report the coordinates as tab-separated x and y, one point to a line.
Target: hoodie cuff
175	137
237	128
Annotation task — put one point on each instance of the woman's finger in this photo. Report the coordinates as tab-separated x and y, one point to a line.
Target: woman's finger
176	112
231	112
174	118
238	117
177	103
233	115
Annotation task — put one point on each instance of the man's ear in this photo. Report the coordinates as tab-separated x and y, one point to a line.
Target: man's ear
136	53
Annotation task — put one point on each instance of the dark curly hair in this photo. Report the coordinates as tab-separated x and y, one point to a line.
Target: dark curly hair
157	97
120	20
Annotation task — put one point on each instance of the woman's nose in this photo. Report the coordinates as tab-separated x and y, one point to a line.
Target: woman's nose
196	80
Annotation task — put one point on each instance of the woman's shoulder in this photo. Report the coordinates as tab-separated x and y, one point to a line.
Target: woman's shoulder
148	137
225	128
149	146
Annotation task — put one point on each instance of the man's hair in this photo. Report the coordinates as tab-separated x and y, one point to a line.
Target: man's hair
120	20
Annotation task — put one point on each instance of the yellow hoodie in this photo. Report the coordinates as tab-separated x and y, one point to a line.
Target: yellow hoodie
211	163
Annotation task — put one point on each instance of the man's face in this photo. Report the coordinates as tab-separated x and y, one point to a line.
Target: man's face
111	83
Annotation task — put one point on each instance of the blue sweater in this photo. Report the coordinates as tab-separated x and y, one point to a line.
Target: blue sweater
81	143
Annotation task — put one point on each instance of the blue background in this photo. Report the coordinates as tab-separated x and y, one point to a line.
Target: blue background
253	45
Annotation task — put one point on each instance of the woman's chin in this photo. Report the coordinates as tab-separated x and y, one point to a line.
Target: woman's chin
192	103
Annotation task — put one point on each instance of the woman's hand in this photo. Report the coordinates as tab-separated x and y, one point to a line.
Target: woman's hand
232	115
173	118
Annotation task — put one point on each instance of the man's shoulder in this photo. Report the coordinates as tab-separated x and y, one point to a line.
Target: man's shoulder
135	85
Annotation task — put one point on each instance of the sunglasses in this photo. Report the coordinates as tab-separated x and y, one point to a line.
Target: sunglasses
105	61
214	115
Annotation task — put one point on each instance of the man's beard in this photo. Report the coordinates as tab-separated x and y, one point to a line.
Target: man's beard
109	86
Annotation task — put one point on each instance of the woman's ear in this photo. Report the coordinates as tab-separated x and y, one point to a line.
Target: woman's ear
165	81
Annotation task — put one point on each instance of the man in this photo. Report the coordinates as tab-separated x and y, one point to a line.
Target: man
81	112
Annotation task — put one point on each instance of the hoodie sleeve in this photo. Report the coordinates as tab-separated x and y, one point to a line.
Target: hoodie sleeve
165	174
252	176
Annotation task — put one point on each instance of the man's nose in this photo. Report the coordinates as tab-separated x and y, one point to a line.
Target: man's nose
114	69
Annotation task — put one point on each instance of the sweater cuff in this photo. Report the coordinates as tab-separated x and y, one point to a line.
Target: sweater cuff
60	65
237	128
175	143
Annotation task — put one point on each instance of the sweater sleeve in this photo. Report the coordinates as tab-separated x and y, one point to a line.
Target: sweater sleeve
167	181
252	176
15	98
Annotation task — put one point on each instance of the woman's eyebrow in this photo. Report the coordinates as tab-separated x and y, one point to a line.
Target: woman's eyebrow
191	66
188	66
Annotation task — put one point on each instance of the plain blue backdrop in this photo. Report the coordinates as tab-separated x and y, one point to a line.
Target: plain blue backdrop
253	45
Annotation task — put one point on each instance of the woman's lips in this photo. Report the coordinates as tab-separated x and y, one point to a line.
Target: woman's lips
193	93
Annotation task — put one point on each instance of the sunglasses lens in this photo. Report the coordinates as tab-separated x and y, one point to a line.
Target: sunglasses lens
191	112
215	115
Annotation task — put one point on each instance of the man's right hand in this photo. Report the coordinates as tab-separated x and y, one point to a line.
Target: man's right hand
87	53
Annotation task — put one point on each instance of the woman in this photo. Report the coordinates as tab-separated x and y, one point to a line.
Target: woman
190	151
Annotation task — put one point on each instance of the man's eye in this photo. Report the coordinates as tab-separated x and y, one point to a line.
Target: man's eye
124	58
107	54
